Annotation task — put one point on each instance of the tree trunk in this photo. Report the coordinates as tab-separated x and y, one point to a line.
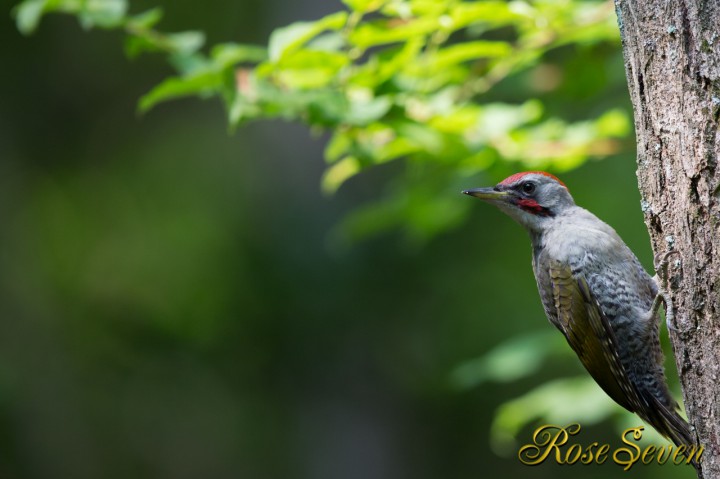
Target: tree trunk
672	61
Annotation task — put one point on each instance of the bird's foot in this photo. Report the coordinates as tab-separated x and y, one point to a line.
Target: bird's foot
661	263
664	298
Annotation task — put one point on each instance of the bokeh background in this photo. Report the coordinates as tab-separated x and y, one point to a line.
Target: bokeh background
172	304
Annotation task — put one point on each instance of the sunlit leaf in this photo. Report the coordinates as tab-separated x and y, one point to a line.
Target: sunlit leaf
613	123
137	44
310	68
499	119
103	13
177	87
383	66
28	15
464	52
229	54
421	135
380	33
458	120
338	173
339	145
243	109
363	112
327	42
186	43
489	13
146	20
286	40
364	6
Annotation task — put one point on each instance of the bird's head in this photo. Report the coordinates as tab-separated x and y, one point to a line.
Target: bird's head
531	198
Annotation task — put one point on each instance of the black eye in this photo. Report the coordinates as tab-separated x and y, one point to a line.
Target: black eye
528	187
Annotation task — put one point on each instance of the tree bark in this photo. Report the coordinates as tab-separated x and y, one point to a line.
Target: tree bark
672	61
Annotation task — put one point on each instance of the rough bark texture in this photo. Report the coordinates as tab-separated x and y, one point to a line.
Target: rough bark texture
672	60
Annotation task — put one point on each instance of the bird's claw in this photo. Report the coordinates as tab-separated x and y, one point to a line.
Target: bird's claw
661	263
664	298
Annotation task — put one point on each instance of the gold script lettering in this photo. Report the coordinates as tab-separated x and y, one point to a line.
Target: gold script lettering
547	439
553	442
624	456
602	453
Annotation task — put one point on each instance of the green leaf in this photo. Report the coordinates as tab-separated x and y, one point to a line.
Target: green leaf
137	44
28	15
286	40
422	136
364	6
243	109
384	65
499	119
459	120
490	13
338	173
613	123
326	108
363	110
145	20
102	13
230	54
177	87
384	32
309	69
379	143
328	42
185	43
468	51
190	64
339	144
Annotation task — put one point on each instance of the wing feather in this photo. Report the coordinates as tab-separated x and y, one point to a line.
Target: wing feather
588	331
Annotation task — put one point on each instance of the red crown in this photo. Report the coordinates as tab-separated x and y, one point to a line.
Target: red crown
517	176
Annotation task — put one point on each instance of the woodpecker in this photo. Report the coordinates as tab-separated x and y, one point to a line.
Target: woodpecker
596	292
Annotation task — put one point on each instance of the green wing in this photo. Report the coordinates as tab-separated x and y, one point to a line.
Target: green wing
588	332
587	329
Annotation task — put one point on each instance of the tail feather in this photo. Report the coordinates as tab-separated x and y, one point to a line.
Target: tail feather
670	424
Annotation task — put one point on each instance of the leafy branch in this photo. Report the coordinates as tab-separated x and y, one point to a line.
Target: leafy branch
388	79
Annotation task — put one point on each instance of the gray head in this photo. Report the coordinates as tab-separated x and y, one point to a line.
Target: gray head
532	198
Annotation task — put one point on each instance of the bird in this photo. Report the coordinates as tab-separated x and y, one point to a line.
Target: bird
595	291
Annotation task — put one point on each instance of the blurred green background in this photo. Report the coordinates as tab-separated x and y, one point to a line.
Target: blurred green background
172	305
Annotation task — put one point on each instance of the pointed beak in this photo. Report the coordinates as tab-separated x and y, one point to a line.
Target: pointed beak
488	194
